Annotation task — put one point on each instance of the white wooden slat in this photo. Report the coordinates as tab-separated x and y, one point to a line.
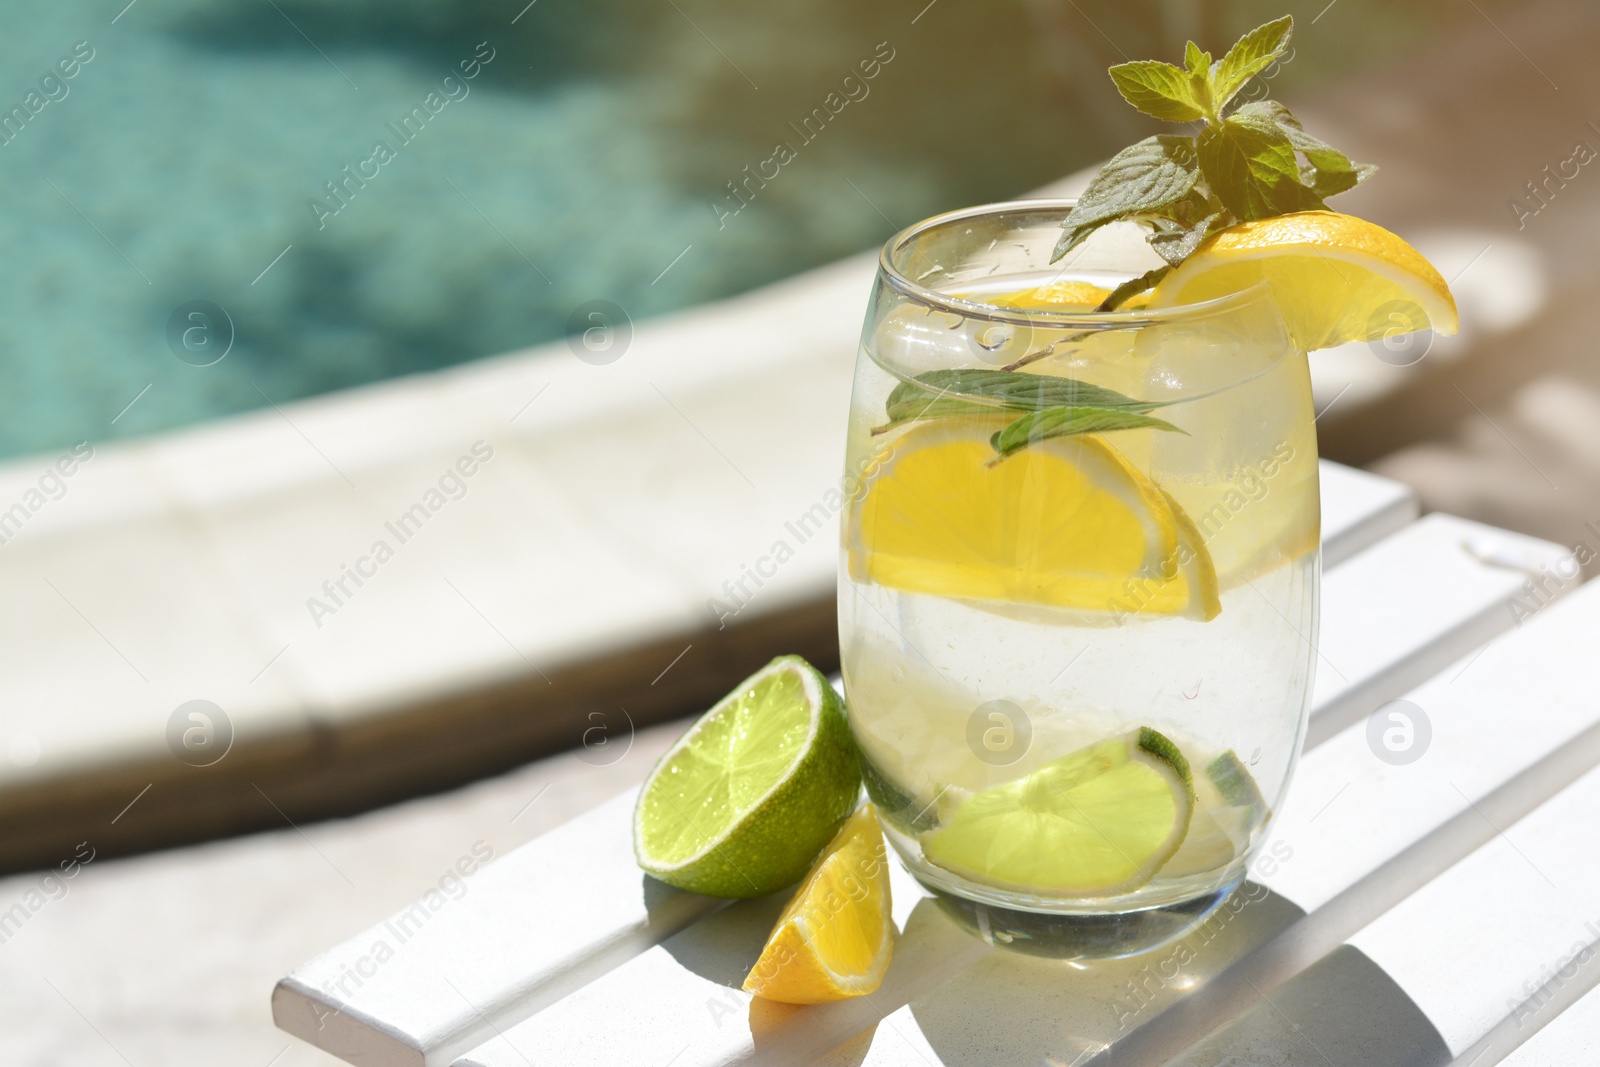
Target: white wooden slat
1348	816
407	1012
1011	1009
1359	509
1571	1039
681	1002
1313	863
1350	810
440	977
1446	963
1496	926
1431	593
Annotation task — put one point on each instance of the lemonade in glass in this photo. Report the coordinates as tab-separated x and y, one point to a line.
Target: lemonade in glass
1078	585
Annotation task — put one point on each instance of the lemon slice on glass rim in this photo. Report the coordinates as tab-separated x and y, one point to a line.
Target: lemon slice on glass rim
1335	278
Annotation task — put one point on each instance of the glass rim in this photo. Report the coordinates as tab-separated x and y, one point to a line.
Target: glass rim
1085	320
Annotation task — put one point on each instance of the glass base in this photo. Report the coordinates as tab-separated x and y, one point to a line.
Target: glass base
1079	936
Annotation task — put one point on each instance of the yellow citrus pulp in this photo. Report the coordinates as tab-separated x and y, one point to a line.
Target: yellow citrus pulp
834	939
1334	277
1066	522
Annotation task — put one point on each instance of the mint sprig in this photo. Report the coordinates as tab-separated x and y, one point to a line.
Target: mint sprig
1047	406
1247	161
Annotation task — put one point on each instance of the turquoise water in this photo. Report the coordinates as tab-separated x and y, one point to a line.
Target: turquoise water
588	156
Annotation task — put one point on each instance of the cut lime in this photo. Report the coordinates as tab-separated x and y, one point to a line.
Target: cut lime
1229	809
1097	822
1237	785
744	801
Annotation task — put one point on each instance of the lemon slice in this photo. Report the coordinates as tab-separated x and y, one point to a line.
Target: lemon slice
1336	278
1066	522
1064	295
834	939
1097	822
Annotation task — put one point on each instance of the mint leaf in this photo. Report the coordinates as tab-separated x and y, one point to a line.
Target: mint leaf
1064	421
975	392
1254	53
1253	162
1004	389
1251	167
1158	89
1175	240
1133	287
1145	177
931	407
1198	65
1330	171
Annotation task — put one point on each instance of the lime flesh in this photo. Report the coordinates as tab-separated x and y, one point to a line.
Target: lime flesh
753	791
1096	822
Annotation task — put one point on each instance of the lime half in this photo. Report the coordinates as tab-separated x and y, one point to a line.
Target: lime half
1097	822
745	800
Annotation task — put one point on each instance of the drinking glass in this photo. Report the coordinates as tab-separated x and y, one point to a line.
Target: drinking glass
1078	583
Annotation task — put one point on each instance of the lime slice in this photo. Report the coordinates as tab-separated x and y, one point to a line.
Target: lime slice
1236	784
1217	837
744	801
1097	822
1230	807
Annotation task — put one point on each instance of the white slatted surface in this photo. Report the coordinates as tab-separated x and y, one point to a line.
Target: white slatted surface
1474	942
436	1000
1349	815
1359	509
475	976
1334	833
1395	644
1526	695
1570	1039
443	976
1495	927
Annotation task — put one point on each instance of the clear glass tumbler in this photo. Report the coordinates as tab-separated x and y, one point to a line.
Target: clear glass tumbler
1078	587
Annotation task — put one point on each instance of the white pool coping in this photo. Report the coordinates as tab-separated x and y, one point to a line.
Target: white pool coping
617	501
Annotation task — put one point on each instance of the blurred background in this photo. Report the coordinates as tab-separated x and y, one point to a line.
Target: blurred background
539	165
594	147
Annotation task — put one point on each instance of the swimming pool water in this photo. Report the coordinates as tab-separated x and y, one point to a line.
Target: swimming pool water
369	188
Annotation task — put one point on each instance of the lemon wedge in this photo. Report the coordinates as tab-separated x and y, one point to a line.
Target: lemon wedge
834	939
1336	278
1067	522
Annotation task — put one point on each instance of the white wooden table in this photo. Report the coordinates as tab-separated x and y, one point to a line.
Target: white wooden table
1419	912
